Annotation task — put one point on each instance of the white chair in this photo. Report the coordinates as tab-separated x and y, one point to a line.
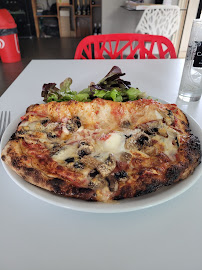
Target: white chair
160	20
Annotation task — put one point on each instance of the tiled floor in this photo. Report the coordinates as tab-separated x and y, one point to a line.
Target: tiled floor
46	48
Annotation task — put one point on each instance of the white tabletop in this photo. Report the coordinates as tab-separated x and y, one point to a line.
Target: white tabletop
37	235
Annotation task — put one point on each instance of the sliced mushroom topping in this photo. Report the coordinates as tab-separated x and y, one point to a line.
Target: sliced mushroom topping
69	160
77	121
73	124
20	132
168	117
155	127
53	147
51	135
131	141
82	143
70	126
108	166
82	153
78	165
142	140
113	183
128	136
44	122
137	141
90	162
93	173
121	175
151	127
97	182
151	131
84	149
177	142
125	157
125	124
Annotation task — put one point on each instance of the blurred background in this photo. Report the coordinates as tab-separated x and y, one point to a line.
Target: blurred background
52	29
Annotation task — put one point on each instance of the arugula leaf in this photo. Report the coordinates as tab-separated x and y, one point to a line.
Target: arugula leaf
99	93
115	95
81	97
133	93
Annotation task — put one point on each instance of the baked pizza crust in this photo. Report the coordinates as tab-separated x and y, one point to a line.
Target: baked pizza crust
159	149
22	165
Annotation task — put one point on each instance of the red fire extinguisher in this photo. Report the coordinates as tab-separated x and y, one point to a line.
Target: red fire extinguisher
9	44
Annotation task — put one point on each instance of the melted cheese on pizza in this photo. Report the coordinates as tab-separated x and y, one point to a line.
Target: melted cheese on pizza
103	142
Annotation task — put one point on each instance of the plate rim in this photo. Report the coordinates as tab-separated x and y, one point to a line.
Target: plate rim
126	205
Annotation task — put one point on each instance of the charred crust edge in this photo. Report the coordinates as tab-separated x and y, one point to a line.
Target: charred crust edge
60	187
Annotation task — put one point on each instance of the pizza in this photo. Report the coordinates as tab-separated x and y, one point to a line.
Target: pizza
103	150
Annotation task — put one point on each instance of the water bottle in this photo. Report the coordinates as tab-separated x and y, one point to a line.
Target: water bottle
191	81
99	29
95	29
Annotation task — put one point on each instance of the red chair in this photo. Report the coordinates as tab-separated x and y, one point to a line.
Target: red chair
129	46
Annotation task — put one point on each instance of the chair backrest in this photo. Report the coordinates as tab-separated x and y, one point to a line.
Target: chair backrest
161	20
129	46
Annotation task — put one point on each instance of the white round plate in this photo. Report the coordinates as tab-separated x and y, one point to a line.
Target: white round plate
162	195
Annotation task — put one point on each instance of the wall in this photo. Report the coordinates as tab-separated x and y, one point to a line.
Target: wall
116	19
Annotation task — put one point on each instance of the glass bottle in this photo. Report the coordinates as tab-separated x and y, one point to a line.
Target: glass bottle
88	7
99	29
83	8
95	29
78	8
191	81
